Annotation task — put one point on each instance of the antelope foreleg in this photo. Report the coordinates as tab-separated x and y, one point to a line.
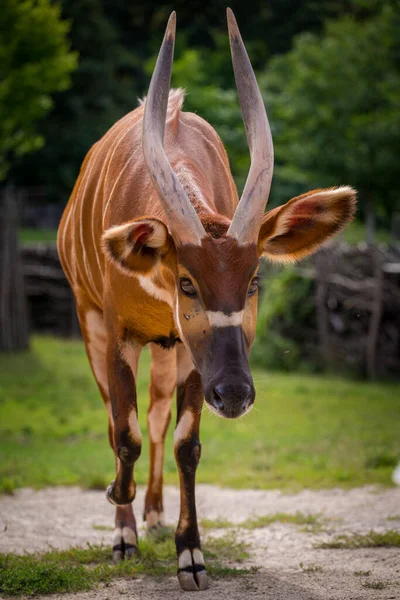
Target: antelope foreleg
127	435
191	570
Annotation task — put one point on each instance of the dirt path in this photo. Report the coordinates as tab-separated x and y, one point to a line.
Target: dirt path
62	517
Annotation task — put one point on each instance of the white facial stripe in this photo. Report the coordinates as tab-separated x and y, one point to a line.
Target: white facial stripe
219	319
153	290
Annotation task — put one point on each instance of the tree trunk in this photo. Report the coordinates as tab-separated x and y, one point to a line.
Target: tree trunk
14	335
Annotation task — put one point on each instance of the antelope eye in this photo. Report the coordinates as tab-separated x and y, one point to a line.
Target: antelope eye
187	287
253	287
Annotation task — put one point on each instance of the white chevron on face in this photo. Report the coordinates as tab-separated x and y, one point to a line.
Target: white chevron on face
217	318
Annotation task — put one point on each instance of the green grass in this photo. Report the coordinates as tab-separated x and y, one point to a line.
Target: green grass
362	573
376	585
305	430
373	539
308	522
218	524
28	236
79	569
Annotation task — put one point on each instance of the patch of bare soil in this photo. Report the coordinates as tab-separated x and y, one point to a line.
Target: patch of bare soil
62	517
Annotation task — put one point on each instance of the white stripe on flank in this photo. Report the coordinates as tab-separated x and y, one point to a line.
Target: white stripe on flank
64	237
101	180
125	132
217	318
79	200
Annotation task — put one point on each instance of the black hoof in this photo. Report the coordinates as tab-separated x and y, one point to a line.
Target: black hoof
192	575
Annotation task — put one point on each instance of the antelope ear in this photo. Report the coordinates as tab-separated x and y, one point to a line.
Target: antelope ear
299	227
137	244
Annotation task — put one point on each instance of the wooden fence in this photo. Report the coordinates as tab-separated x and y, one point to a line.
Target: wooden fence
357	303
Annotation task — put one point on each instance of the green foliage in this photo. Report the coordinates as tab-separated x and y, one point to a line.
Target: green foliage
285	308
115	41
35	62
78	569
334	102
102	91
305	430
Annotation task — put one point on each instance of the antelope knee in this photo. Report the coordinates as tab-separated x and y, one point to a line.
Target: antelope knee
187	454
128	449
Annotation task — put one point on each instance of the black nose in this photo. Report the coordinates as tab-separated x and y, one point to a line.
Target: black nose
232	400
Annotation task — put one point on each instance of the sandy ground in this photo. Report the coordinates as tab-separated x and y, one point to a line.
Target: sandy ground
62	517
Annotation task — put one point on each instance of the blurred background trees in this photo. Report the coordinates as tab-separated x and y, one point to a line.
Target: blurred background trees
328	71
335	100
35	62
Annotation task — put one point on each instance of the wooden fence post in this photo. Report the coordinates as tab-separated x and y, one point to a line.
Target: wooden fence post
376	314
14	335
322	313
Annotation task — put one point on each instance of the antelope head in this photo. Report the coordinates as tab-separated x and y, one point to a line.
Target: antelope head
216	262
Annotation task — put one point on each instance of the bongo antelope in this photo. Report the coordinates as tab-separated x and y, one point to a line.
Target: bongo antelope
159	251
